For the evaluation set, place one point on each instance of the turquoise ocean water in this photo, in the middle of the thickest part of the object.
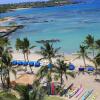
(70, 24)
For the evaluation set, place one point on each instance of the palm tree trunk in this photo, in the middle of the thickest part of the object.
(28, 61)
(25, 61)
(95, 67)
(50, 60)
(61, 79)
(84, 61)
(27, 57)
(8, 80)
(3, 84)
(65, 75)
(93, 51)
(31, 69)
(24, 56)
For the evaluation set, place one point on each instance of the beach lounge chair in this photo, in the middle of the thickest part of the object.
(65, 91)
(91, 97)
(74, 92)
(86, 95)
(79, 92)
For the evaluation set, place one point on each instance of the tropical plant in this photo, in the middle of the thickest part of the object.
(48, 51)
(24, 91)
(38, 92)
(7, 96)
(35, 93)
(61, 69)
(82, 53)
(24, 45)
(90, 43)
(4, 42)
(6, 68)
(97, 42)
(94, 45)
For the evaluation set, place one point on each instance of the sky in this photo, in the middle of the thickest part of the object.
(17, 1)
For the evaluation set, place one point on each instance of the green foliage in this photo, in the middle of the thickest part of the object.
(7, 96)
(37, 92)
(89, 41)
(48, 51)
(52, 98)
(90, 44)
(97, 58)
(98, 44)
(23, 45)
(4, 42)
(24, 91)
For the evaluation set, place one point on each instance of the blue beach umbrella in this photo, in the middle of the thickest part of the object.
(14, 62)
(50, 66)
(20, 63)
(37, 64)
(25, 63)
(71, 67)
(31, 63)
(90, 68)
(81, 69)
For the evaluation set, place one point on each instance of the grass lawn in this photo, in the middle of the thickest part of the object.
(7, 96)
(52, 98)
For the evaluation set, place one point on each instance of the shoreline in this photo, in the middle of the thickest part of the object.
(68, 58)
(18, 9)
(37, 4)
(6, 19)
(7, 30)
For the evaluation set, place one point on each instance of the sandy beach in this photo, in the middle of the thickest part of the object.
(87, 81)
(6, 19)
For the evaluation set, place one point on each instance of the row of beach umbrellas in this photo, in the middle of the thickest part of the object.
(38, 64)
(88, 68)
(26, 63)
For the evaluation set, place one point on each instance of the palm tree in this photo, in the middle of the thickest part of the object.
(24, 45)
(4, 42)
(90, 43)
(27, 46)
(61, 69)
(1, 50)
(36, 92)
(97, 44)
(48, 51)
(19, 46)
(6, 67)
(82, 53)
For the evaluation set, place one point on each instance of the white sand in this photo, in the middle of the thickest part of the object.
(6, 19)
(87, 81)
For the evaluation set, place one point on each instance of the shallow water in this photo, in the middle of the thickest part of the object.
(70, 24)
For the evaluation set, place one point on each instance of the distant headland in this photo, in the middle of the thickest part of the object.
(10, 7)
